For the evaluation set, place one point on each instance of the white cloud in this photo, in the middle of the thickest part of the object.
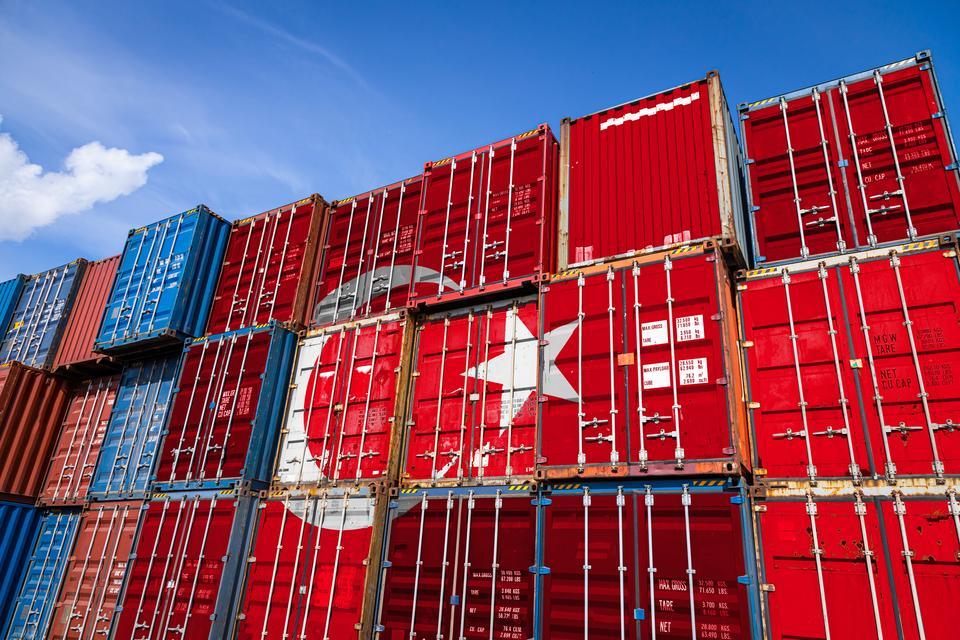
(31, 198)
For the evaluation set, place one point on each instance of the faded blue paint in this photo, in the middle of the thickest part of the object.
(9, 296)
(165, 282)
(19, 524)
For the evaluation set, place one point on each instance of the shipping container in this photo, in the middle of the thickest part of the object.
(129, 452)
(227, 409)
(184, 576)
(75, 355)
(313, 565)
(74, 457)
(651, 173)
(9, 296)
(459, 563)
(641, 370)
(165, 283)
(874, 561)
(487, 219)
(345, 404)
(19, 526)
(473, 396)
(40, 316)
(270, 268)
(95, 572)
(367, 253)
(854, 363)
(668, 558)
(33, 607)
(852, 163)
(32, 406)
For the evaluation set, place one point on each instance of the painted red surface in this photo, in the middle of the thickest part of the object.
(488, 218)
(903, 341)
(473, 400)
(75, 352)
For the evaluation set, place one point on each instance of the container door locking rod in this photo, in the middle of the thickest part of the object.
(900, 509)
(812, 514)
(313, 564)
(641, 409)
(343, 264)
(804, 249)
(831, 191)
(336, 567)
(860, 509)
(446, 252)
(432, 454)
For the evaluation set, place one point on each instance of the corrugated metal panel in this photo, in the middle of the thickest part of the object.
(76, 355)
(487, 219)
(9, 296)
(96, 571)
(851, 163)
(185, 577)
(270, 268)
(40, 315)
(33, 608)
(32, 405)
(19, 524)
(165, 282)
(660, 170)
(74, 458)
(226, 414)
(130, 446)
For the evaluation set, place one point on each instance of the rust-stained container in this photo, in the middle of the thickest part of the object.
(270, 268)
(367, 253)
(32, 406)
(487, 219)
(473, 396)
(854, 364)
(75, 356)
(654, 172)
(641, 370)
(345, 404)
(95, 572)
(74, 458)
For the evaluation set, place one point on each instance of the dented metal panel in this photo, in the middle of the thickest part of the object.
(19, 525)
(75, 355)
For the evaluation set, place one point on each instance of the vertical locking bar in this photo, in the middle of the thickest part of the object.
(621, 567)
(73, 438)
(166, 272)
(832, 192)
(802, 404)
(254, 272)
(335, 460)
(817, 551)
(175, 576)
(203, 433)
(98, 573)
(495, 563)
(336, 567)
(243, 261)
(153, 556)
(202, 471)
(257, 270)
(188, 612)
(466, 395)
(193, 394)
(98, 612)
(343, 264)
(443, 565)
(93, 425)
(586, 563)
(283, 258)
(467, 226)
(393, 253)
(355, 300)
(581, 455)
(295, 574)
(900, 509)
(126, 289)
(901, 181)
(861, 187)
(804, 250)
(376, 247)
(313, 564)
(685, 498)
(506, 244)
(83, 571)
(651, 566)
(436, 428)
(641, 410)
(614, 454)
(331, 409)
(366, 407)
(276, 567)
(508, 472)
(419, 565)
(466, 564)
(446, 228)
(483, 398)
(860, 508)
(486, 218)
(674, 368)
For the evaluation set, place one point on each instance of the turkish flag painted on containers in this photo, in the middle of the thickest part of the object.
(850, 164)
(657, 171)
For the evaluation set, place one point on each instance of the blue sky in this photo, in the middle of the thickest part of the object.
(253, 105)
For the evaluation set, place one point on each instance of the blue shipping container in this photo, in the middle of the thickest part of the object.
(18, 532)
(33, 609)
(9, 296)
(165, 283)
(130, 446)
(40, 315)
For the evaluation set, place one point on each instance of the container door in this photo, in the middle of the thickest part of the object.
(34, 328)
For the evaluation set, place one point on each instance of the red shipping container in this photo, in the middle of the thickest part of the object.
(458, 565)
(313, 567)
(32, 406)
(488, 219)
(270, 267)
(654, 172)
(367, 254)
(853, 163)
(854, 364)
(95, 572)
(473, 396)
(345, 404)
(75, 354)
(667, 319)
(74, 458)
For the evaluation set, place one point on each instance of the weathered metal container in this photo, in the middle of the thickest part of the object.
(74, 458)
(32, 406)
(854, 364)
(487, 220)
(19, 525)
(345, 405)
(459, 563)
(313, 565)
(96, 571)
(270, 268)
(473, 396)
(641, 371)
(40, 315)
(130, 448)
(34, 604)
(186, 570)
(227, 410)
(75, 356)
(850, 164)
(165, 283)
(367, 253)
(9, 296)
(651, 173)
